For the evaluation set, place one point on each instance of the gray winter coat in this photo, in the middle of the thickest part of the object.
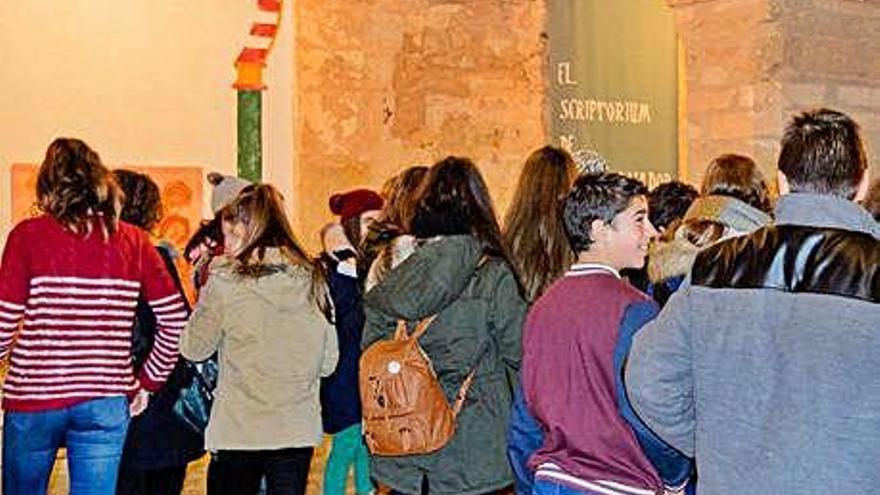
(766, 367)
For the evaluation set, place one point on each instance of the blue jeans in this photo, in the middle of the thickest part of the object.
(93, 432)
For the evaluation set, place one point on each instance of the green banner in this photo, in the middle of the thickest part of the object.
(614, 84)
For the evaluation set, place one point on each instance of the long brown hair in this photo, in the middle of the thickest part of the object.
(260, 210)
(739, 177)
(533, 228)
(400, 196)
(75, 188)
(453, 200)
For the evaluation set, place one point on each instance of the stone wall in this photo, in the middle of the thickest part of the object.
(384, 84)
(751, 64)
(830, 59)
(733, 53)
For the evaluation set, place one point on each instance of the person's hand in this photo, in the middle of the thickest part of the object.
(207, 247)
(139, 403)
(333, 238)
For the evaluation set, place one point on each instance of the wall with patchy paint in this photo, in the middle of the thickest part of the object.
(384, 84)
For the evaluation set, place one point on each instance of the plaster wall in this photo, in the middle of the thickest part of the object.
(383, 85)
(144, 82)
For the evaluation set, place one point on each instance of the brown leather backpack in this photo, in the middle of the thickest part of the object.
(405, 410)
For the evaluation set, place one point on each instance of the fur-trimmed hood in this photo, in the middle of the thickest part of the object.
(673, 258)
(739, 217)
(670, 259)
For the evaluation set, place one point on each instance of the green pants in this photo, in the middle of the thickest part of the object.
(346, 450)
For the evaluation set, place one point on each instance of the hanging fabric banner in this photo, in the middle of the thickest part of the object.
(614, 84)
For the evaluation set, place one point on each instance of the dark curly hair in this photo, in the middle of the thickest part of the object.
(143, 203)
(75, 188)
(596, 197)
(669, 201)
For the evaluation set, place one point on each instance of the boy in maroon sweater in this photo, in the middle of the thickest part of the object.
(571, 336)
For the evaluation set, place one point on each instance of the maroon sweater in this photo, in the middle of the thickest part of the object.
(569, 383)
(75, 300)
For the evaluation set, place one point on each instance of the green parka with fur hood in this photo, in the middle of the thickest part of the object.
(478, 304)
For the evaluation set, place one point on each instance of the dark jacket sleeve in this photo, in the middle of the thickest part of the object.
(144, 329)
(672, 466)
(524, 436)
(340, 400)
(346, 296)
(508, 314)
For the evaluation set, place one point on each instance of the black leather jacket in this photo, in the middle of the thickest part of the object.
(801, 259)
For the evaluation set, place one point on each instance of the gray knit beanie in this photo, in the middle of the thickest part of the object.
(226, 188)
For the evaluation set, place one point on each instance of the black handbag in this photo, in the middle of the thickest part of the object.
(193, 405)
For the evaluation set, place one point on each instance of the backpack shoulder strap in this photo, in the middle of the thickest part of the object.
(421, 327)
(469, 380)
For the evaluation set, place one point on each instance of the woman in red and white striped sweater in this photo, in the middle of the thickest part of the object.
(69, 284)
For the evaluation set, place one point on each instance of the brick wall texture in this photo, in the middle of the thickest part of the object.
(751, 64)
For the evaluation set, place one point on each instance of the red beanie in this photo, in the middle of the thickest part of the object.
(353, 203)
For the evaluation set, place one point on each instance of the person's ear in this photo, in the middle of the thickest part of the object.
(862, 189)
(782, 181)
(599, 231)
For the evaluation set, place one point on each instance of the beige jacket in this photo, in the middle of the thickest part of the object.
(274, 346)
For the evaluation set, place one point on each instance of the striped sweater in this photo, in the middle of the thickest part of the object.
(67, 306)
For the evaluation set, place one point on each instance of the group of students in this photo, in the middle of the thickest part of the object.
(756, 375)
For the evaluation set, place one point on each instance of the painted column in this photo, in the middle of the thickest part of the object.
(249, 84)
